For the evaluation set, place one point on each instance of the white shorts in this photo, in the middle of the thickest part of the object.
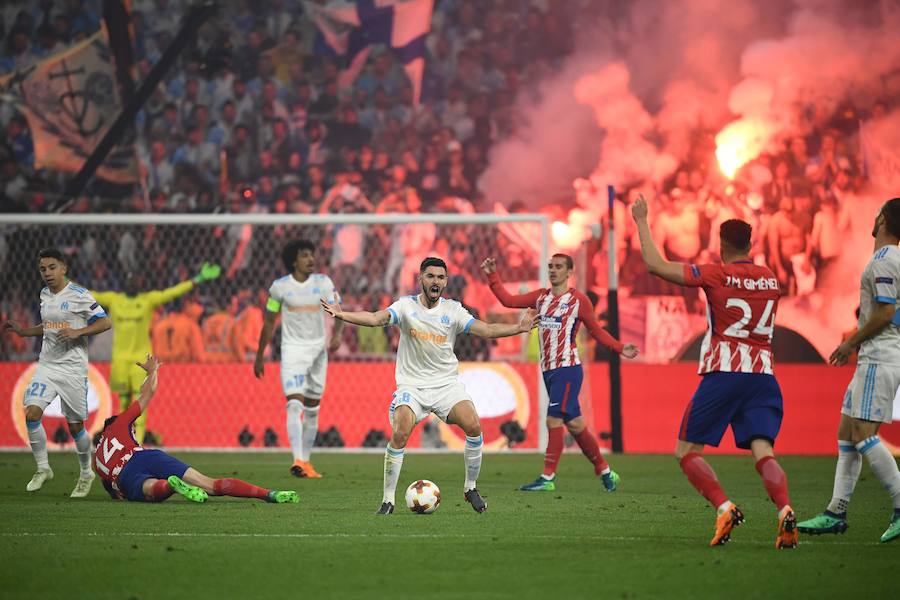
(423, 401)
(303, 372)
(46, 384)
(870, 395)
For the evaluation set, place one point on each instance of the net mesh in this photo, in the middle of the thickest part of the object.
(208, 396)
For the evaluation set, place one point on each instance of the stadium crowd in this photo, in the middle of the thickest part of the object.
(252, 120)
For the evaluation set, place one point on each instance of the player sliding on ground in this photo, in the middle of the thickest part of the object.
(869, 400)
(561, 310)
(131, 472)
(428, 372)
(69, 314)
(738, 387)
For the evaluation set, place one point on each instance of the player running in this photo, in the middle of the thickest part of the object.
(132, 312)
(561, 310)
(131, 472)
(68, 315)
(738, 387)
(304, 353)
(427, 371)
(870, 396)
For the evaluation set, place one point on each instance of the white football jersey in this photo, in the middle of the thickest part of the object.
(302, 318)
(73, 307)
(425, 357)
(879, 285)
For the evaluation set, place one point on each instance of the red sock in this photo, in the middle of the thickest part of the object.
(554, 450)
(159, 491)
(703, 478)
(591, 449)
(239, 489)
(775, 480)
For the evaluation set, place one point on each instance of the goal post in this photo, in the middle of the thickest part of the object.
(210, 399)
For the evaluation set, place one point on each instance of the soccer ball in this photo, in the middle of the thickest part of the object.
(423, 497)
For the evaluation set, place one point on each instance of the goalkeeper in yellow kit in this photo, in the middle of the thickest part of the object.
(131, 313)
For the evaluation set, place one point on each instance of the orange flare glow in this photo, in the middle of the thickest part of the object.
(739, 143)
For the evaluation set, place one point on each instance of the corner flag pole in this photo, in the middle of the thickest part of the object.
(612, 309)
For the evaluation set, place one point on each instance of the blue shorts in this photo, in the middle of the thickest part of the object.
(749, 402)
(563, 386)
(144, 465)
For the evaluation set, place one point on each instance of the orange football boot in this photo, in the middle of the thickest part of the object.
(725, 522)
(787, 529)
(302, 468)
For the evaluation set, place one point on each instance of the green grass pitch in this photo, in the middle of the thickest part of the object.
(647, 540)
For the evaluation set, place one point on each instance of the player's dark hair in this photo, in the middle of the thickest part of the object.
(736, 234)
(52, 253)
(292, 249)
(432, 261)
(570, 264)
(109, 421)
(891, 212)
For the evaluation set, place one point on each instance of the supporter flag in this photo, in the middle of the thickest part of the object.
(70, 100)
(351, 28)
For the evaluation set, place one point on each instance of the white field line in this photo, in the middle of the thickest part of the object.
(225, 535)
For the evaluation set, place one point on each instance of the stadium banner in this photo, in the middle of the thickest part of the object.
(232, 400)
(70, 100)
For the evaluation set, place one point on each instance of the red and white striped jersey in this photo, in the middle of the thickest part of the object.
(742, 299)
(115, 448)
(560, 318)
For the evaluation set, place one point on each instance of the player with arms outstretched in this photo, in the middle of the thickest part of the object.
(869, 400)
(738, 387)
(131, 312)
(304, 352)
(131, 472)
(561, 310)
(68, 315)
(428, 371)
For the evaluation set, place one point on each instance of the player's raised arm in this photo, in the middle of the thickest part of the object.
(361, 317)
(498, 330)
(151, 365)
(656, 264)
(586, 314)
(489, 267)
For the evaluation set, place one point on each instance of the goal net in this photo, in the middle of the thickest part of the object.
(208, 396)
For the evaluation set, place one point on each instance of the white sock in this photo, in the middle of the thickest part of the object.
(723, 507)
(310, 429)
(472, 455)
(293, 427)
(846, 474)
(393, 462)
(883, 464)
(83, 449)
(38, 438)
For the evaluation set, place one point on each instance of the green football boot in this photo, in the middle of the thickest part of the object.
(827, 522)
(540, 485)
(283, 497)
(191, 492)
(610, 481)
(893, 530)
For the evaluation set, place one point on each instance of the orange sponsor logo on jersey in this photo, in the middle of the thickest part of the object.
(56, 325)
(304, 308)
(428, 337)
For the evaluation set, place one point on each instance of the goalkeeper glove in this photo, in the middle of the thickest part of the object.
(207, 272)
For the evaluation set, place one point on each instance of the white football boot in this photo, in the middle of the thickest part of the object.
(38, 479)
(83, 486)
